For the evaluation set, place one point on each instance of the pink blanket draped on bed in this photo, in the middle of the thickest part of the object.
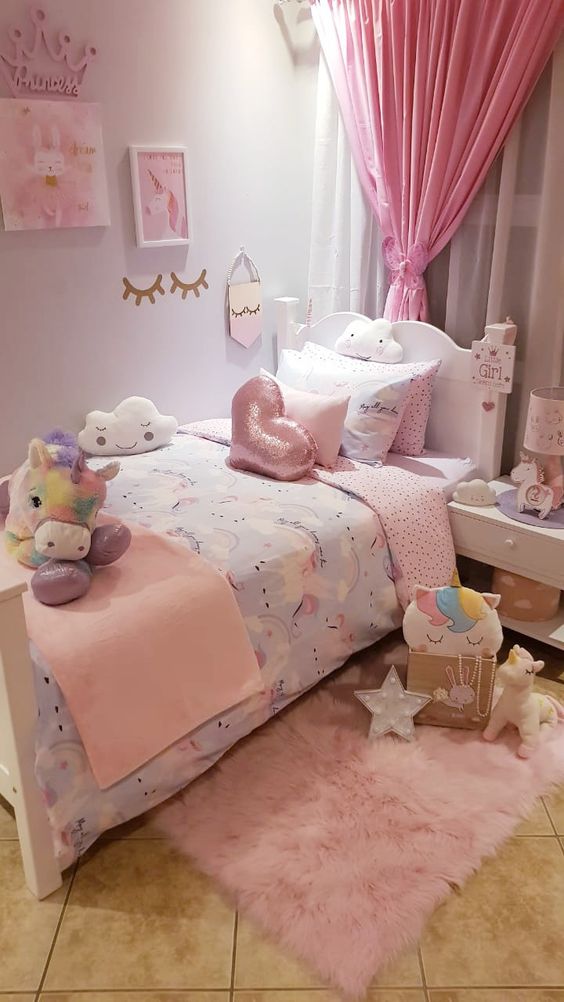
(413, 514)
(163, 648)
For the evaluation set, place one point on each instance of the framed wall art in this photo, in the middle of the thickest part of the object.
(52, 170)
(160, 195)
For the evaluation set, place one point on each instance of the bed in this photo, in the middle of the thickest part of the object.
(275, 537)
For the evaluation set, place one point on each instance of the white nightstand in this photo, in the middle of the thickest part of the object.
(486, 534)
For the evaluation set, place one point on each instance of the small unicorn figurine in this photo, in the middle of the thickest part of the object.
(533, 493)
(532, 713)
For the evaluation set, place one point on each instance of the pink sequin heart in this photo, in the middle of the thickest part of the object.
(488, 405)
(263, 440)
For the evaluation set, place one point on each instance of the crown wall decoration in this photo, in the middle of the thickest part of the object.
(46, 65)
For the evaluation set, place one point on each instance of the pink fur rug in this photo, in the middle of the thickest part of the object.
(341, 849)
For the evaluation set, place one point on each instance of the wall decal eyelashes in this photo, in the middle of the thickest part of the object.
(149, 293)
(131, 290)
(186, 287)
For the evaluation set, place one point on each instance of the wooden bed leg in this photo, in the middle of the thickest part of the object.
(18, 721)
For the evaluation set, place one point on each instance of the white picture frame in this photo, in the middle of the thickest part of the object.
(159, 179)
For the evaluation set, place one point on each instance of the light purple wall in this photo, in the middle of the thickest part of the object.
(225, 79)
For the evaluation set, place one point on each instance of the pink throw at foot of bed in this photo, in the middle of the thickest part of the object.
(163, 648)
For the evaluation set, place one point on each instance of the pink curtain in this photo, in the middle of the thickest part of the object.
(428, 91)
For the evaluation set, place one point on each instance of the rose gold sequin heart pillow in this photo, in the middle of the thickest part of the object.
(263, 440)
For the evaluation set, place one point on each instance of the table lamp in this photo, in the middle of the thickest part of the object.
(541, 480)
(544, 435)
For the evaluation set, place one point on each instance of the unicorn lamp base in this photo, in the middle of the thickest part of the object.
(534, 493)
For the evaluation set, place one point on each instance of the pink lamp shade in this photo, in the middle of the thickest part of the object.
(545, 421)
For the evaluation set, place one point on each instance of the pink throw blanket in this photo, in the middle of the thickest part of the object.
(413, 513)
(157, 647)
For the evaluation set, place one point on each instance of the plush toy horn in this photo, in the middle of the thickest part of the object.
(455, 580)
(78, 467)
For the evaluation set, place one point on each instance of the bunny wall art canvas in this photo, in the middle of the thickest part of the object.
(52, 171)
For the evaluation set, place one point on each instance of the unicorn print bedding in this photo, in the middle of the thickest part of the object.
(314, 580)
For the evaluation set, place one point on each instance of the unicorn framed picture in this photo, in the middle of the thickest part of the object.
(160, 195)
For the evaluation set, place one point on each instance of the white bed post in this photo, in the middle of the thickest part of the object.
(18, 723)
(490, 437)
(286, 325)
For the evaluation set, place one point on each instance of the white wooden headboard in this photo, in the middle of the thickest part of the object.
(459, 423)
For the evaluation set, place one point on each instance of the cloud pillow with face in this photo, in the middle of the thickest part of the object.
(134, 426)
(371, 341)
(475, 492)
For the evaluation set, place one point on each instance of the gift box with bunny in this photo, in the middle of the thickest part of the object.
(453, 634)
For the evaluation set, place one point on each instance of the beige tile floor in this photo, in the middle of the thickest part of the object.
(135, 923)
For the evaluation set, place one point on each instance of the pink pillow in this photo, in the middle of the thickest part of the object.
(410, 436)
(323, 417)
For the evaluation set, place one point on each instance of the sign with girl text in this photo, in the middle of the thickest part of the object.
(52, 171)
(492, 365)
(160, 198)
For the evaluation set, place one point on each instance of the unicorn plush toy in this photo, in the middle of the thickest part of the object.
(532, 713)
(51, 503)
(453, 620)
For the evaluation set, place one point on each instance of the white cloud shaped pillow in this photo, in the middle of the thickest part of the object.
(371, 341)
(134, 426)
(475, 492)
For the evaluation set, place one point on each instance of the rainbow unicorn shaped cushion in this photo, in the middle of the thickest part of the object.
(453, 620)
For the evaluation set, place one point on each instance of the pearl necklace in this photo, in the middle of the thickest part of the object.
(478, 670)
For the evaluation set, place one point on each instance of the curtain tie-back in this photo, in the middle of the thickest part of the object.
(407, 269)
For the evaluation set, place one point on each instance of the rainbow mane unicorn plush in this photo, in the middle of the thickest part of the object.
(453, 620)
(51, 503)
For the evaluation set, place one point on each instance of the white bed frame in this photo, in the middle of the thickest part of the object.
(459, 426)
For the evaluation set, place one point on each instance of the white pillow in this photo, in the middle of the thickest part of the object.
(370, 341)
(410, 437)
(376, 403)
(323, 417)
(134, 426)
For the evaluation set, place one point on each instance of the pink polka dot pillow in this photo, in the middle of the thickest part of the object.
(375, 407)
(410, 436)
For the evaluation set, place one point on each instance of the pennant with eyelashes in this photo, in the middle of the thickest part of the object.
(244, 308)
(245, 312)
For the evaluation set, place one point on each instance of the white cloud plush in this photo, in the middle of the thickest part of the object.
(372, 341)
(475, 492)
(134, 426)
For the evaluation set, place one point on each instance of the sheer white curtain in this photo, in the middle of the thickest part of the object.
(346, 269)
(507, 258)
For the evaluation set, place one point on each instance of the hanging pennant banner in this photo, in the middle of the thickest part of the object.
(245, 303)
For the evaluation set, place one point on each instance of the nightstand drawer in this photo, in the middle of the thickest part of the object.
(504, 545)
